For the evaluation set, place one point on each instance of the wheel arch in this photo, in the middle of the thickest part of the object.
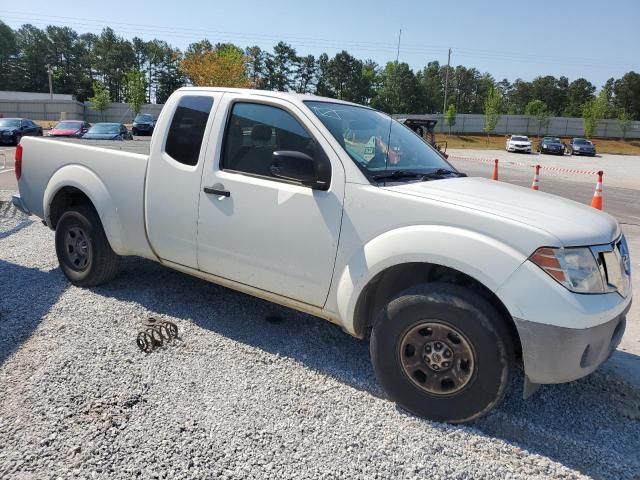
(77, 185)
(393, 280)
(403, 257)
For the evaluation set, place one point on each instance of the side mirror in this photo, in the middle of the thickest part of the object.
(299, 167)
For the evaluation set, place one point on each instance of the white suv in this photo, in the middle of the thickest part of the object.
(518, 143)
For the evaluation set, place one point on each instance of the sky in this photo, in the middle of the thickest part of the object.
(509, 39)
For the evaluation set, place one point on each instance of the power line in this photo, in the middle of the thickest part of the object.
(197, 34)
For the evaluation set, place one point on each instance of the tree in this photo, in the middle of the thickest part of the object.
(8, 52)
(135, 90)
(255, 66)
(450, 117)
(305, 74)
(399, 90)
(594, 112)
(492, 107)
(538, 110)
(222, 66)
(280, 67)
(580, 91)
(627, 93)
(624, 122)
(100, 100)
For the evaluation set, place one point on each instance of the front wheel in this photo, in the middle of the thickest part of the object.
(83, 251)
(442, 352)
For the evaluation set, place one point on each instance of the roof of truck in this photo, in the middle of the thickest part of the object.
(270, 93)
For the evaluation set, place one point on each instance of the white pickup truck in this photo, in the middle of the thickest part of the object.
(337, 210)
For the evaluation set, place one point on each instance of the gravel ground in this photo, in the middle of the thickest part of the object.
(236, 396)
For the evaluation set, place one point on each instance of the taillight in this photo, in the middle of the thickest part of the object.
(18, 164)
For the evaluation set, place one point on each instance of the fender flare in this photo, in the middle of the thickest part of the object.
(89, 183)
(479, 256)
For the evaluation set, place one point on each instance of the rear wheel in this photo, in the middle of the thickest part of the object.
(442, 352)
(83, 251)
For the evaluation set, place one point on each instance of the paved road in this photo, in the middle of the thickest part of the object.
(620, 202)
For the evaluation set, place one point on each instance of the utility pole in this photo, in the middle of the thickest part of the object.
(446, 83)
(50, 72)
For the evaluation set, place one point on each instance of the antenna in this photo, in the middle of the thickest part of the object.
(395, 102)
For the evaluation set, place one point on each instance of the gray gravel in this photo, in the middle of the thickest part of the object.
(238, 397)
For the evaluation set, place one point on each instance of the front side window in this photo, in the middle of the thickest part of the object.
(255, 131)
(376, 142)
(186, 131)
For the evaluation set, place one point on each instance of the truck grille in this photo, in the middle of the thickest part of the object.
(615, 266)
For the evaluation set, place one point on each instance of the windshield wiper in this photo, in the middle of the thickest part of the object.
(443, 173)
(395, 174)
(434, 175)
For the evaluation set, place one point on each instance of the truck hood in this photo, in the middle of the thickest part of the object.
(572, 223)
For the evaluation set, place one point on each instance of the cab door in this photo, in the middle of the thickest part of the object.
(172, 190)
(259, 230)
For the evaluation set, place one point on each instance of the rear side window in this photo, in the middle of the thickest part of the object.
(187, 129)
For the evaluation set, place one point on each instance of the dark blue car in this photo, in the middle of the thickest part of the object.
(13, 129)
(551, 145)
(582, 146)
(108, 131)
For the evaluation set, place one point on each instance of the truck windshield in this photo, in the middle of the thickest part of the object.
(376, 142)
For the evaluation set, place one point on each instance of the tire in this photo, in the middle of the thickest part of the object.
(83, 251)
(481, 349)
(17, 140)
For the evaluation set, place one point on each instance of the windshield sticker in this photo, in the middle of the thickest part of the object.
(370, 149)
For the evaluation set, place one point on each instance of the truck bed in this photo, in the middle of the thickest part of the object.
(113, 179)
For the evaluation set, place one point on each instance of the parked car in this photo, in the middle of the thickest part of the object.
(143, 124)
(13, 129)
(582, 146)
(69, 128)
(108, 131)
(294, 199)
(551, 145)
(518, 143)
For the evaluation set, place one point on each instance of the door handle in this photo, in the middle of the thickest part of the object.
(215, 191)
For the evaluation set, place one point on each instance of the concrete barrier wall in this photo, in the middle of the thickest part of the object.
(54, 110)
(525, 125)
(119, 112)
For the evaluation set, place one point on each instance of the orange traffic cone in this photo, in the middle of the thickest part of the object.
(495, 170)
(596, 201)
(536, 178)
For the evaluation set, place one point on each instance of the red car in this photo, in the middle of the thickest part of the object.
(69, 128)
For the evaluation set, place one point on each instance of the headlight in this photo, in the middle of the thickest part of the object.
(575, 268)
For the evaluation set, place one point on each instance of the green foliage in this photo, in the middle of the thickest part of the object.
(398, 92)
(594, 112)
(624, 122)
(80, 59)
(450, 117)
(540, 112)
(100, 100)
(492, 108)
(135, 90)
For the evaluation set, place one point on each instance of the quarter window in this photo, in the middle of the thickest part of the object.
(255, 131)
(186, 131)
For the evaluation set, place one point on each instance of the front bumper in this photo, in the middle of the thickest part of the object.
(553, 354)
(19, 204)
(519, 149)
